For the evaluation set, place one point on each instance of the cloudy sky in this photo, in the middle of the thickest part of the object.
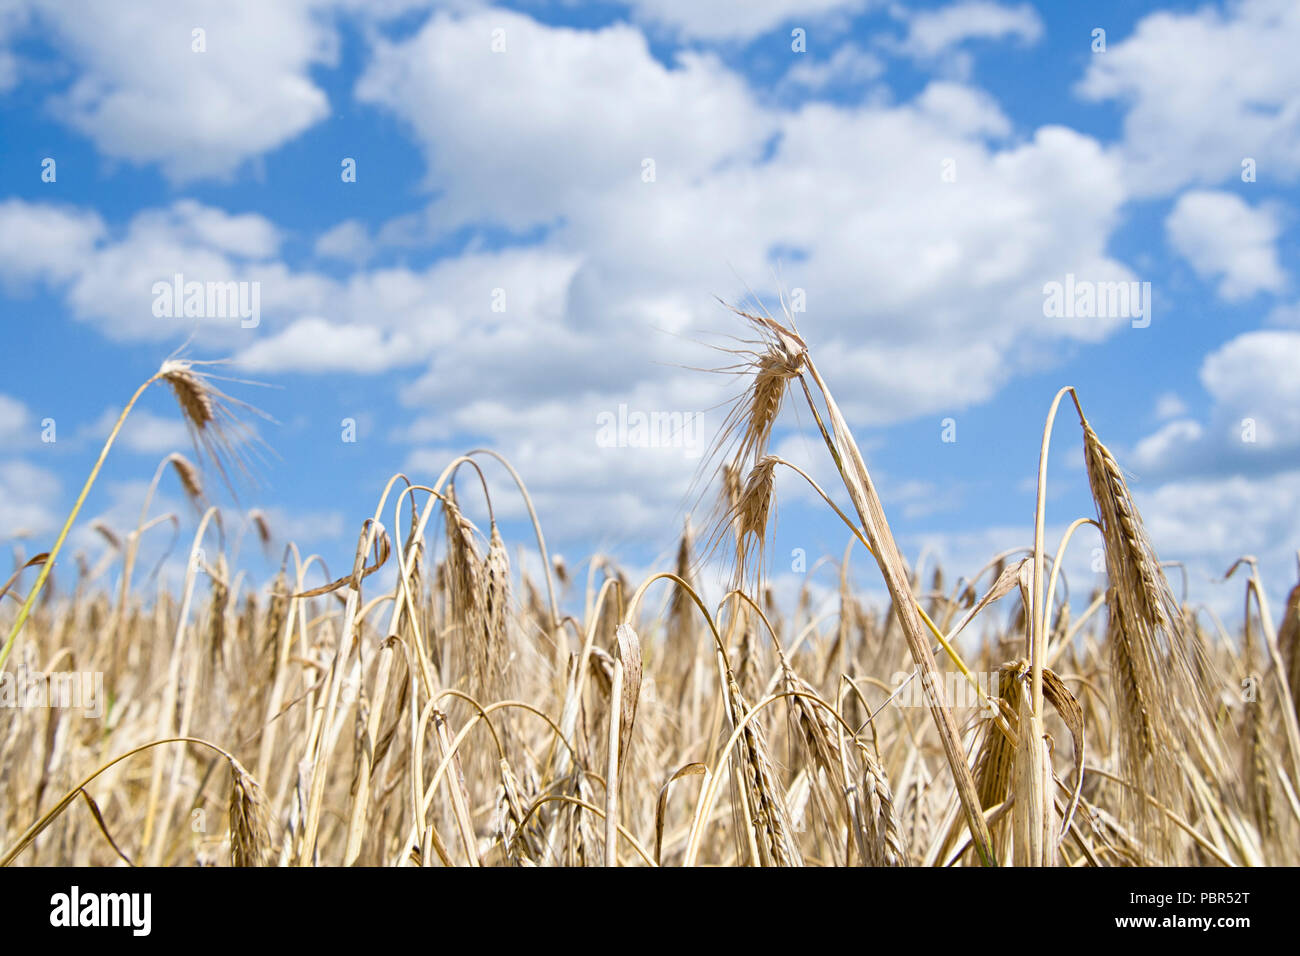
(471, 225)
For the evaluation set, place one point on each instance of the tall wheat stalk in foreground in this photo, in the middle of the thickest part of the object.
(786, 358)
(210, 421)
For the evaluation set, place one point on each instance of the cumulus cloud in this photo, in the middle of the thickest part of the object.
(370, 321)
(1169, 405)
(349, 241)
(149, 90)
(108, 277)
(1253, 375)
(849, 65)
(144, 94)
(1212, 517)
(144, 432)
(44, 242)
(561, 116)
(316, 345)
(1216, 488)
(607, 274)
(1208, 522)
(1196, 125)
(933, 33)
(1170, 441)
(13, 18)
(1224, 238)
(28, 496)
(1253, 425)
(15, 419)
(725, 20)
(743, 186)
(739, 189)
(1285, 314)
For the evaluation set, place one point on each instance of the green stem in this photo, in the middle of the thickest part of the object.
(67, 526)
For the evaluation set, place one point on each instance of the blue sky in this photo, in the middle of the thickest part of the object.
(917, 173)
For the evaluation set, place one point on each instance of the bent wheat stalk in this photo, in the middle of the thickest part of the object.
(853, 470)
(785, 358)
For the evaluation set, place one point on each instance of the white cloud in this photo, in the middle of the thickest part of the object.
(561, 116)
(373, 320)
(349, 241)
(933, 33)
(15, 420)
(109, 278)
(144, 432)
(1210, 518)
(1253, 426)
(143, 94)
(1210, 522)
(8, 71)
(1285, 314)
(1213, 518)
(849, 65)
(1224, 238)
(848, 200)
(963, 110)
(611, 498)
(315, 345)
(601, 310)
(45, 242)
(1253, 376)
(1171, 440)
(28, 495)
(1205, 90)
(1169, 405)
(964, 261)
(726, 20)
(248, 235)
(874, 233)
(13, 18)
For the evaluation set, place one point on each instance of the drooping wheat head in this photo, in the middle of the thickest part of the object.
(250, 829)
(1159, 701)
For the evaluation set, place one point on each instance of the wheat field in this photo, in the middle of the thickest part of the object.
(471, 713)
